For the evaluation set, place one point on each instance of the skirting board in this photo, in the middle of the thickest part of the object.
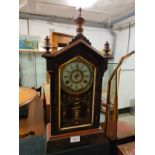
(124, 110)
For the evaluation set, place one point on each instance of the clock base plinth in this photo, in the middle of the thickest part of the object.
(83, 140)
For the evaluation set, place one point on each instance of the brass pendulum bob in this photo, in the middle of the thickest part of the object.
(76, 110)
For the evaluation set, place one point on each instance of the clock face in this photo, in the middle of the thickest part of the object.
(76, 77)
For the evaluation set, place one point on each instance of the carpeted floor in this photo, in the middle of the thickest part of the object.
(34, 145)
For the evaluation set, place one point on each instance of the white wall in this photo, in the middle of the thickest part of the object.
(126, 91)
(122, 36)
(32, 69)
(97, 36)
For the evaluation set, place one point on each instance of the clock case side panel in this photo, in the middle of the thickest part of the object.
(100, 64)
(52, 70)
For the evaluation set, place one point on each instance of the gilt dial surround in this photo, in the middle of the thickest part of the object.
(76, 76)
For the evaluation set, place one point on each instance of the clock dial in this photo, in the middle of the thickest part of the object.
(76, 77)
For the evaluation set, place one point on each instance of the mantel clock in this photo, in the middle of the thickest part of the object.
(76, 73)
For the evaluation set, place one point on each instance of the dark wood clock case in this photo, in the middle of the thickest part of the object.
(75, 113)
(62, 121)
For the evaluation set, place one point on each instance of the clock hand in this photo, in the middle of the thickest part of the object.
(76, 76)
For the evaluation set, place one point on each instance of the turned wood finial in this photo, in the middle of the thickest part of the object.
(106, 48)
(79, 22)
(47, 44)
(80, 12)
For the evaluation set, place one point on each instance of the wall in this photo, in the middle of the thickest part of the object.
(122, 36)
(126, 91)
(32, 69)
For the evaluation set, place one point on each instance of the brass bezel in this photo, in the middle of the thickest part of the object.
(72, 92)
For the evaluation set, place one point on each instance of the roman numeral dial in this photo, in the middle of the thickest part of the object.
(76, 76)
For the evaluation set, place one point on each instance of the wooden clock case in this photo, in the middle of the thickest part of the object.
(78, 47)
(79, 130)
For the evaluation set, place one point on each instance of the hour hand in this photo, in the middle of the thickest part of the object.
(76, 76)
